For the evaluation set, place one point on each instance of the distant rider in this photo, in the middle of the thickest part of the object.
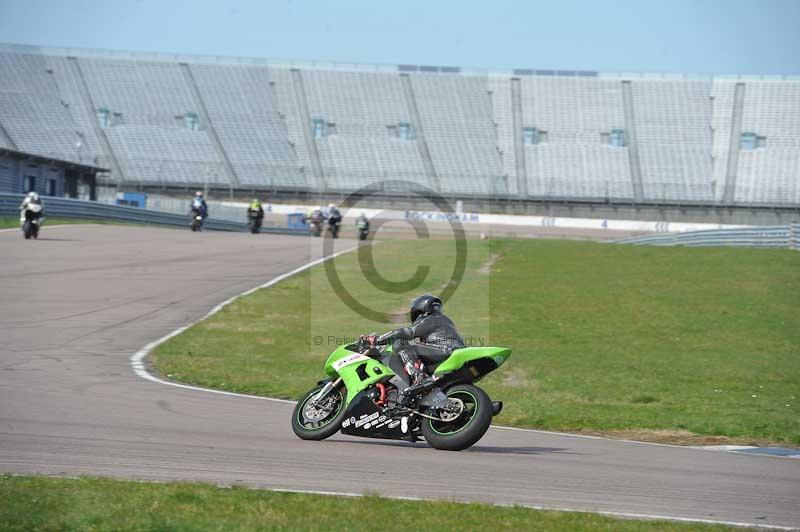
(255, 210)
(334, 218)
(199, 205)
(315, 215)
(333, 213)
(362, 222)
(437, 336)
(32, 198)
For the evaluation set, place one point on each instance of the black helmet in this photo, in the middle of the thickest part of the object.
(424, 305)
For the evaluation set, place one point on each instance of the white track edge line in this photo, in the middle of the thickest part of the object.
(608, 513)
(624, 515)
(139, 367)
(137, 359)
(57, 226)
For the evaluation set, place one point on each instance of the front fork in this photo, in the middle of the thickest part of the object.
(326, 390)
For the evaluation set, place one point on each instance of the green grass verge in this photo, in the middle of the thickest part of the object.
(56, 504)
(605, 338)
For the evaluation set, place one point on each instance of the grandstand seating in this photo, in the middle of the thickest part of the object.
(283, 88)
(500, 89)
(722, 93)
(573, 161)
(771, 174)
(69, 91)
(244, 114)
(146, 100)
(673, 132)
(191, 121)
(456, 114)
(362, 107)
(31, 110)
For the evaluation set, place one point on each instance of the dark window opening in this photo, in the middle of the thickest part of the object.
(51, 187)
(191, 121)
(532, 135)
(317, 128)
(117, 119)
(103, 116)
(529, 135)
(749, 141)
(405, 131)
(29, 183)
(618, 138)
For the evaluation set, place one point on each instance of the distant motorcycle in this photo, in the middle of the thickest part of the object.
(254, 220)
(197, 220)
(315, 224)
(334, 223)
(363, 229)
(31, 220)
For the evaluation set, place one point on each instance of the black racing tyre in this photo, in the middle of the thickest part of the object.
(318, 424)
(27, 229)
(468, 427)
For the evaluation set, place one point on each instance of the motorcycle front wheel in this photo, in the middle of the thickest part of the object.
(467, 427)
(317, 422)
(27, 229)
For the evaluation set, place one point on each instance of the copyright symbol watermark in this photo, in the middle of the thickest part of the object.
(367, 264)
(319, 340)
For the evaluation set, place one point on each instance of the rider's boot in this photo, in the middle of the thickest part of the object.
(422, 383)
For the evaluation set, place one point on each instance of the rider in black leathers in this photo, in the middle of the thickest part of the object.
(199, 205)
(438, 335)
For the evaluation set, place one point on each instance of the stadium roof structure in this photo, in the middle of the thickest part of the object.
(366, 67)
(44, 159)
(167, 120)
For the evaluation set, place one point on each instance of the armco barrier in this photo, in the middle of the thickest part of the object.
(775, 236)
(91, 210)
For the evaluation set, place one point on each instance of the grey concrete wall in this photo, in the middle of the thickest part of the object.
(738, 215)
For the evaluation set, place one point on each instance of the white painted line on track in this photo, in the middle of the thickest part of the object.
(724, 447)
(622, 515)
(57, 226)
(139, 367)
(137, 359)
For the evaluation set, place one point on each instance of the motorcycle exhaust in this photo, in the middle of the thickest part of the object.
(497, 407)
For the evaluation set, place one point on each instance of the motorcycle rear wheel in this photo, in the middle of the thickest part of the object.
(468, 427)
(308, 427)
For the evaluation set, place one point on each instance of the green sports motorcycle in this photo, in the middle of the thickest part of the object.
(360, 397)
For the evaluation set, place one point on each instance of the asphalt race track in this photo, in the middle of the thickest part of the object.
(75, 305)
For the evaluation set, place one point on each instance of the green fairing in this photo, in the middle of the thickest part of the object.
(374, 370)
(459, 357)
(339, 353)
